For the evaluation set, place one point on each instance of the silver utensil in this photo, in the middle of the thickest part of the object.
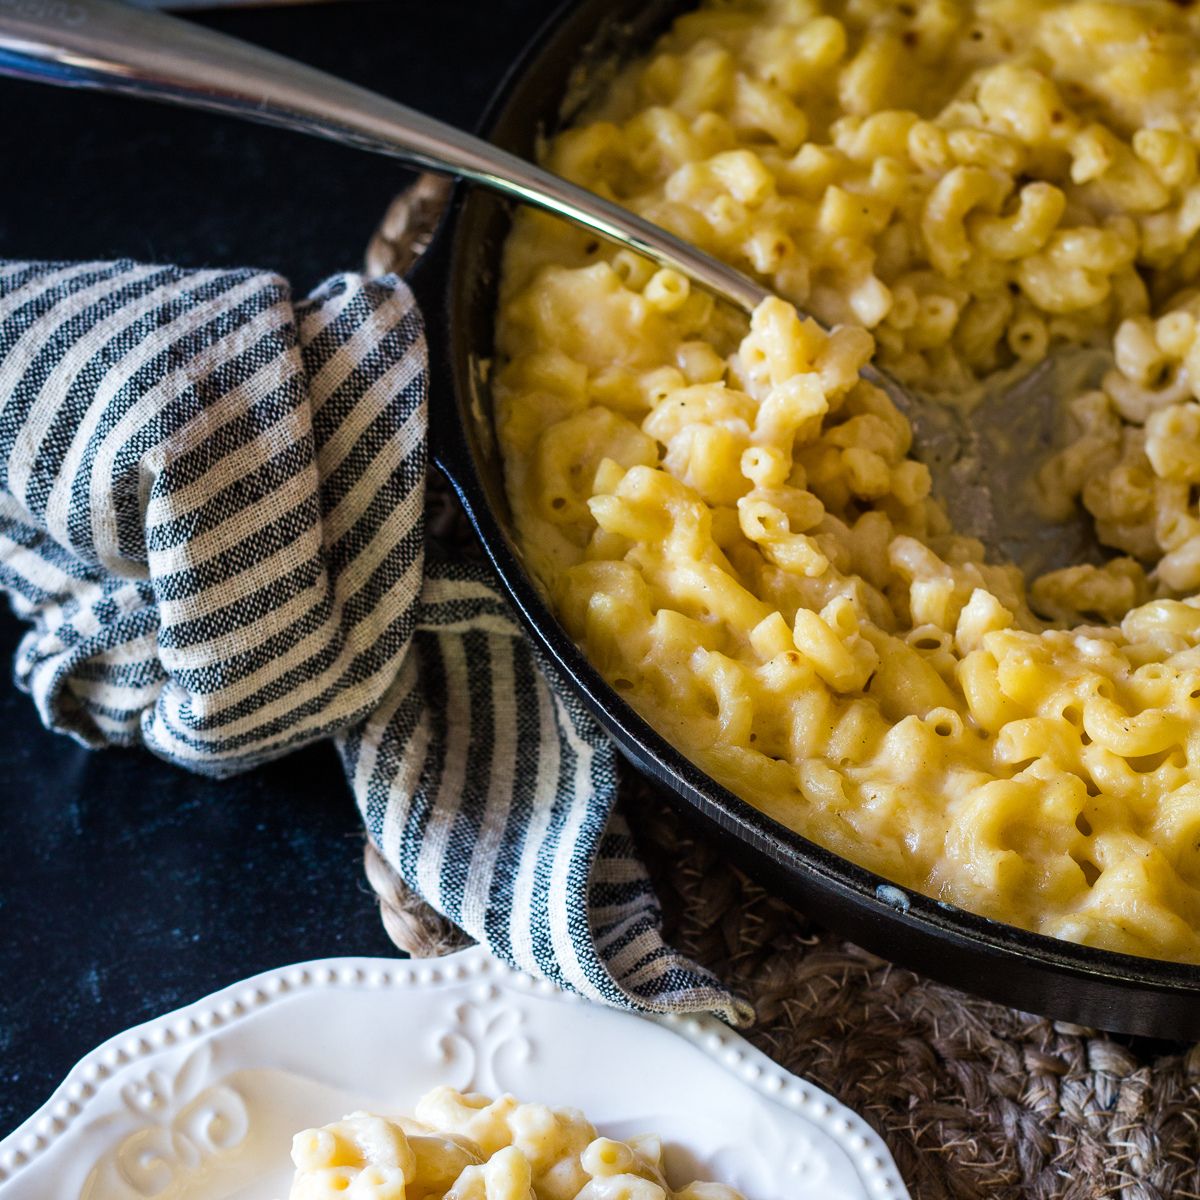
(201, 5)
(112, 47)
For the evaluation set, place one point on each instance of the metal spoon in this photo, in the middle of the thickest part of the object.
(109, 46)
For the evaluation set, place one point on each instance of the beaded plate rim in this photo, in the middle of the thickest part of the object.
(69, 1104)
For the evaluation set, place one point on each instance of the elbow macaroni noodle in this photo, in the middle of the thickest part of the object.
(730, 521)
(470, 1147)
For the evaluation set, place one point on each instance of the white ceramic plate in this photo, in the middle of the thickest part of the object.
(201, 1104)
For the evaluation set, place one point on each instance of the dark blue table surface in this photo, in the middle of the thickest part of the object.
(127, 887)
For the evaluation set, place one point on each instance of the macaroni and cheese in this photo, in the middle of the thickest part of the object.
(733, 523)
(470, 1147)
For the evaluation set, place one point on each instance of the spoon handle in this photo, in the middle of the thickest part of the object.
(108, 46)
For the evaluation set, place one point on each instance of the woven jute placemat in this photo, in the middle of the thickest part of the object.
(974, 1099)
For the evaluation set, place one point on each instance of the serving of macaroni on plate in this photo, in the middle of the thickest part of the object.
(733, 524)
(470, 1147)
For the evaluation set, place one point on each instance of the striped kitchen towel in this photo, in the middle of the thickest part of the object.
(211, 517)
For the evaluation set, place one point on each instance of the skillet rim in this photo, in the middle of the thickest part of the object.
(1065, 980)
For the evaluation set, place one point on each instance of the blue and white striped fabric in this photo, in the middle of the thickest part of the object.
(211, 515)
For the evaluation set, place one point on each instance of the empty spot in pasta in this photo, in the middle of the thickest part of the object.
(929, 642)
(1072, 714)
(944, 727)
(754, 737)
(1083, 825)
(1091, 872)
(1090, 787)
(558, 503)
(976, 35)
(622, 685)
(710, 706)
(591, 248)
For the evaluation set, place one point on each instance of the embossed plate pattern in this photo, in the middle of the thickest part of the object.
(201, 1104)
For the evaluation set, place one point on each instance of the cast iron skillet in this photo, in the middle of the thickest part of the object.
(1029, 971)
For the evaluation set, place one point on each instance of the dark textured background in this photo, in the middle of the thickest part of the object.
(127, 887)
